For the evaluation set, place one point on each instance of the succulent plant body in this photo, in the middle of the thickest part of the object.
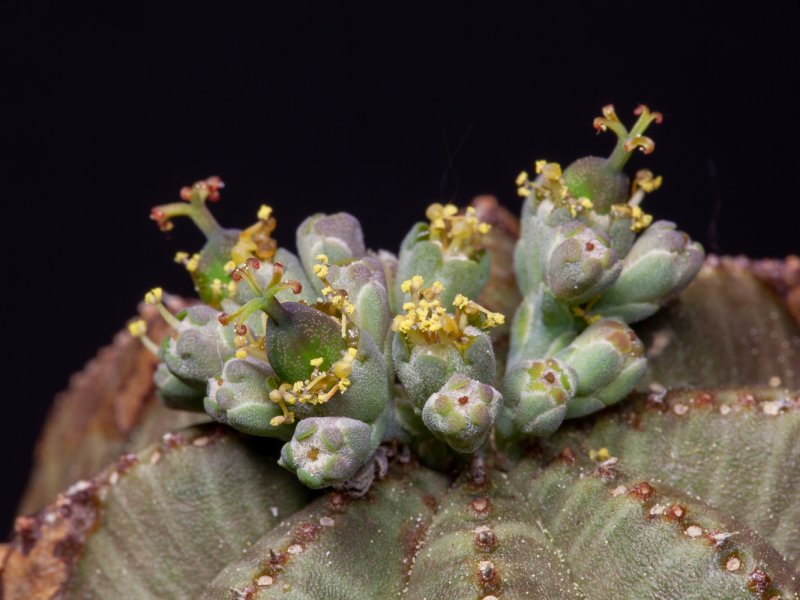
(467, 421)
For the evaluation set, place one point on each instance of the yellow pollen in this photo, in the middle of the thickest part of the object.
(241, 354)
(229, 266)
(138, 328)
(321, 269)
(154, 296)
(522, 178)
(181, 257)
(316, 362)
(193, 263)
(264, 212)
(460, 301)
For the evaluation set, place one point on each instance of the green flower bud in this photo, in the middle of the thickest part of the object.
(594, 178)
(619, 227)
(240, 398)
(297, 334)
(424, 369)
(462, 412)
(326, 451)
(536, 394)
(365, 284)
(581, 265)
(338, 236)
(660, 264)
(609, 360)
(200, 348)
(175, 393)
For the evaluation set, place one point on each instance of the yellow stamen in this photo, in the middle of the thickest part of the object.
(138, 328)
(600, 455)
(154, 296)
(264, 212)
(193, 263)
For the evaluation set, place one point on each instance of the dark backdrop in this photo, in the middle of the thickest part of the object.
(107, 112)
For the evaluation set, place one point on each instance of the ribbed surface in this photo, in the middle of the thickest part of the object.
(339, 548)
(621, 539)
(736, 449)
(174, 519)
(485, 540)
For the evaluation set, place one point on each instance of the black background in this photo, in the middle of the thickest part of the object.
(107, 112)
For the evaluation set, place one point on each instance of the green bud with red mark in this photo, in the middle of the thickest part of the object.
(327, 451)
(581, 264)
(462, 412)
(536, 395)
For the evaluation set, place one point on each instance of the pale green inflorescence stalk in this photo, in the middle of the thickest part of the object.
(338, 349)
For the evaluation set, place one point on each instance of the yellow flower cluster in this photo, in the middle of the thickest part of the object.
(457, 233)
(427, 320)
(335, 298)
(256, 240)
(551, 186)
(320, 387)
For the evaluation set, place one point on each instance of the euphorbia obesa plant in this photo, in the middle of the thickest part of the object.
(475, 433)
